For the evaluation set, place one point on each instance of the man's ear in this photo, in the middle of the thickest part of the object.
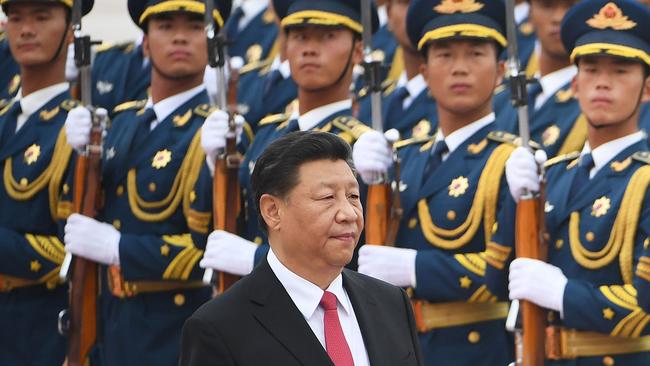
(145, 46)
(270, 211)
(501, 72)
(574, 86)
(646, 90)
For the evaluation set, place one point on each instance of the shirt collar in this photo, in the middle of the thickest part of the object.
(168, 105)
(604, 153)
(282, 66)
(521, 11)
(459, 136)
(303, 293)
(382, 14)
(251, 8)
(416, 85)
(29, 104)
(310, 119)
(552, 82)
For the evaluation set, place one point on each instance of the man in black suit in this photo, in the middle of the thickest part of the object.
(300, 306)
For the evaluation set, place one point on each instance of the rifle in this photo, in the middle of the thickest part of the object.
(225, 190)
(79, 321)
(383, 209)
(529, 224)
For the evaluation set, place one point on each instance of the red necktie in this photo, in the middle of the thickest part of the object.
(337, 347)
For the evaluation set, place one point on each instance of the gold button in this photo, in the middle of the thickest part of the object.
(117, 224)
(559, 243)
(474, 337)
(413, 223)
(120, 190)
(24, 182)
(258, 240)
(590, 236)
(192, 197)
(451, 215)
(608, 361)
(152, 187)
(66, 188)
(179, 299)
(495, 227)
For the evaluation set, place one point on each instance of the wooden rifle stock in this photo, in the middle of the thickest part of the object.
(226, 197)
(529, 243)
(84, 288)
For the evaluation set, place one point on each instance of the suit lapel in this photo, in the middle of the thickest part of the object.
(277, 313)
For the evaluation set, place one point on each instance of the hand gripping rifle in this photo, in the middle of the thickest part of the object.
(384, 210)
(529, 224)
(79, 321)
(225, 193)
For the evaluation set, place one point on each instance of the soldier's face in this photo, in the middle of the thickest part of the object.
(462, 74)
(176, 44)
(34, 32)
(320, 221)
(397, 10)
(318, 55)
(610, 89)
(546, 16)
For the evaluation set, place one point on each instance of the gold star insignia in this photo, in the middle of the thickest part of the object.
(465, 282)
(31, 154)
(608, 313)
(600, 207)
(161, 159)
(164, 250)
(35, 266)
(458, 187)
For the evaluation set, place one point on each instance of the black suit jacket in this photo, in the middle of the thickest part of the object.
(256, 323)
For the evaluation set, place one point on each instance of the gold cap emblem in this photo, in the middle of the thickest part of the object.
(611, 16)
(458, 6)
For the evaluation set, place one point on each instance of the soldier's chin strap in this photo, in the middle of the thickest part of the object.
(62, 41)
(345, 69)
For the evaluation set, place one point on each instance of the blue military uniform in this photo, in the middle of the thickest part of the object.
(10, 76)
(257, 40)
(596, 227)
(120, 73)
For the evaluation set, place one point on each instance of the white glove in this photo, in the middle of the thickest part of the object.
(538, 282)
(372, 156)
(226, 252)
(522, 171)
(214, 132)
(91, 239)
(71, 71)
(77, 127)
(393, 265)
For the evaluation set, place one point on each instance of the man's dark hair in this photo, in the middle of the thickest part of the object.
(276, 171)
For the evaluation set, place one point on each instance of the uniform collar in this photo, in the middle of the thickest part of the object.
(521, 11)
(312, 118)
(382, 14)
(282, 66)
(459, 136)
(604, 153)
(251, 9)
(168, 105)
(31, 103)
(305, 294)
(552, 82)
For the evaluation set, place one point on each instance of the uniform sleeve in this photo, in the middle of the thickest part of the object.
(30, 256)
(463, 277)
(617, 309)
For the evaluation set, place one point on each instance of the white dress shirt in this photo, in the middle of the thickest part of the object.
(415, 86)
(31, 103)
(168, 105)
(251, 9)
(459, 136)
(283, 66)
(604, 153)
(307, 296)
(521, 11)
(310, 119)
(552, 82)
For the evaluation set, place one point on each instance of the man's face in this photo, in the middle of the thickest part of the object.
(546, 16)
(321, 218)
(397, 10)
(462, 74)
(34, 31)
(176, 44)
(318, 55)
(609, 89)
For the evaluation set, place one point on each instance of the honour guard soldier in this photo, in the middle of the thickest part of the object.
(407, 105)
(451, 186)
(34, 158)
(597, 205)
(252, 31)
(147, 235)
(323, 45)
(554, 114)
